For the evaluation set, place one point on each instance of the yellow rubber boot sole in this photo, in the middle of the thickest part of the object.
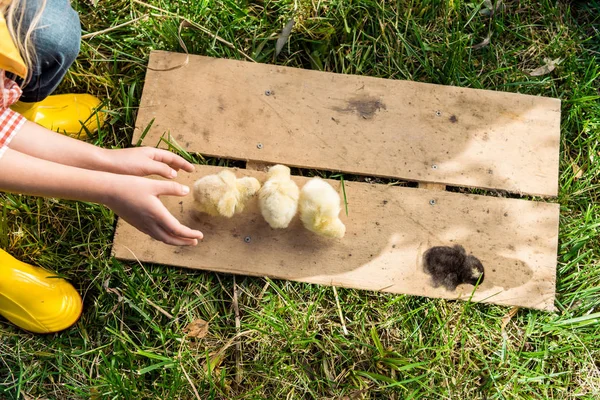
(64, 113)
(35, 299)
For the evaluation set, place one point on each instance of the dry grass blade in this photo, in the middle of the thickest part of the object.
(183, 46)
(159, 309)
(484, 43)
(187, 377)
(113, 28)
(339, 308)
(115, 292)
(284, 36)
(111, 290)
(238, 344)
(506, 319)
(263, 291)
(220, 39)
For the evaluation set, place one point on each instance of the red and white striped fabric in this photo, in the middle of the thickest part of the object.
(10, 121)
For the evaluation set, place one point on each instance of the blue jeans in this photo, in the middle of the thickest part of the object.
(56, 41)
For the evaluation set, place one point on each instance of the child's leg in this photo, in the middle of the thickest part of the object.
(56, 40)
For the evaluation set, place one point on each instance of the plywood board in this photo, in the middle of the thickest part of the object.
(388, 229)
(363, 125)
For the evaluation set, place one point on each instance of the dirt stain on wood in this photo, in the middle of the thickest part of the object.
(364, 106)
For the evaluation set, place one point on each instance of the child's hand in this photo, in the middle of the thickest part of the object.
(144, 161)
(136, 200)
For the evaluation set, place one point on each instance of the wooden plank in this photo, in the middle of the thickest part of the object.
(388, 229)
(361, 125)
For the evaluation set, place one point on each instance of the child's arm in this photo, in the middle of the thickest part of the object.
(42, 143)
(133, 198)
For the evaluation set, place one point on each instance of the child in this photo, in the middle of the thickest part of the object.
(39, 39)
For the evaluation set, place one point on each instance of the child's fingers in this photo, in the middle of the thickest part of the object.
(164, 237)
(172, 160)
(170, 188)
(174, 228)
(164, 170)
(158, 168)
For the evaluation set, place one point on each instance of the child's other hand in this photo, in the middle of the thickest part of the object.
(144, 161)
(136, 200)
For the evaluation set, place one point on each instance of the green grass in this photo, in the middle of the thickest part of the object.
(293, 344)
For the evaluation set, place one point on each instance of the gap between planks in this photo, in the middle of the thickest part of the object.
(264, 167)
(432, 186)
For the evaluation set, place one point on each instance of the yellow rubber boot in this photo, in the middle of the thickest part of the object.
(35, 299)
(64, 113)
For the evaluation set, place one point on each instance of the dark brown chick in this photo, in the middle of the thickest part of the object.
(451, 266)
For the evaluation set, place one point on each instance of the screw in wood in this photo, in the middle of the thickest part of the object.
(434, 166)
(432, 202)
(268, 92)
(259, 146)
(247, 239)
(438, 113)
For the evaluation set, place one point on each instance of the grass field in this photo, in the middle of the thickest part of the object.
(129, 343)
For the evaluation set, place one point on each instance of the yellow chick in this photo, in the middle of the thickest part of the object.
(223, 194)
(319, 209)
(278, 198)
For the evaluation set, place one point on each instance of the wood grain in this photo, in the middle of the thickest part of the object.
(388, 229)
(362, 125)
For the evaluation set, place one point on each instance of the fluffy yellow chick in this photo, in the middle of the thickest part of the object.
(223, 194)
(278, 198)
(320, 208)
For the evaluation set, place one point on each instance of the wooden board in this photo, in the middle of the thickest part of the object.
(388, 229)
(363, 125)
